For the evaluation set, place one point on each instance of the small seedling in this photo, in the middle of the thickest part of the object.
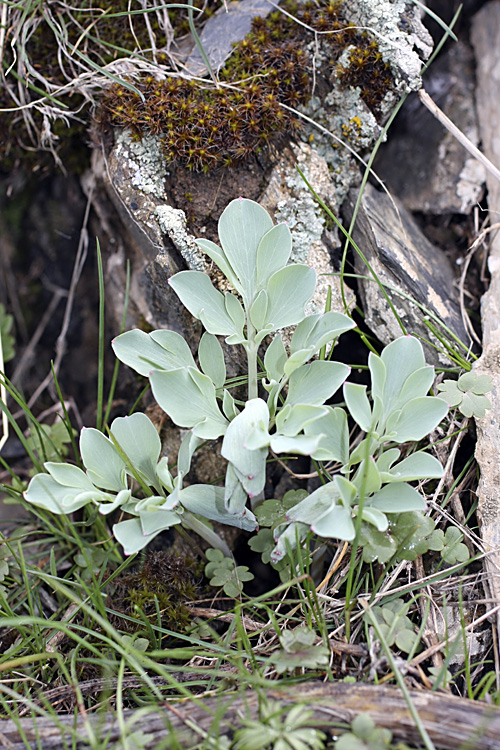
(467, 393)
(277, 729)
(299, 650)
(365, 735)
(396, 628)
(223, 572)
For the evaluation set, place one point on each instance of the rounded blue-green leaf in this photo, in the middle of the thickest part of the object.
(416, 419)
(105, 467)
(419, 465)
(158, 350)
(208, 501)
(204, 302)
(242, 226)
(336, 524)
(211, 359)
(358, 405)
(289, 290)
(188, 397)
(316, 382)
(396, 498)
(139, 440)
(44, 492)
(129, 535)
(273, 253)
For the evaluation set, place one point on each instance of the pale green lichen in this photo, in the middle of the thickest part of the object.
(145, 161)
(172, 222)
(400, 35)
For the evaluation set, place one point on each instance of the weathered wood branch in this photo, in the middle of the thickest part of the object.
(450, 721)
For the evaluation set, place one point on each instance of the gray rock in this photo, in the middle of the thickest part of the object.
(417, 277)
(486, 43)
(227, 26)
(423, 164)
(289, 199)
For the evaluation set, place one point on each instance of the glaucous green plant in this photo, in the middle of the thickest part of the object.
(289, 415)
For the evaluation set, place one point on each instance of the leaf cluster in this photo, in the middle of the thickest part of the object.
(299, 650)
(289, 415)
(396, 628)
(224, 573)
(365, 735)
(277, 729)
(467, 393)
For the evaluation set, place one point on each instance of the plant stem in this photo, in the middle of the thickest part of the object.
(209, 535)
(252, 348)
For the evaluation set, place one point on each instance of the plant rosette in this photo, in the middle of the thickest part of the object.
(289, 415)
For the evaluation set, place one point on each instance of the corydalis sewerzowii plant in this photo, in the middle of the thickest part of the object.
(292, 419)
(271, 295)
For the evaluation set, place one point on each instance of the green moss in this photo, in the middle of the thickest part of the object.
(166, 579)
(367, 70)
(203, 127)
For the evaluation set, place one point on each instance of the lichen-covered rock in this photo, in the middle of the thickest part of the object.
(289, 199)
(360, 56)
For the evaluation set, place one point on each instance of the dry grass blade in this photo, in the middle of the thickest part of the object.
(431, 105)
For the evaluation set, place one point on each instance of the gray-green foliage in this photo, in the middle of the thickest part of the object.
(277, 729)
(467, 393)
(409, 535)
(50, 441)
(224, 573)
(299, 650)
(290, 416)
(364, 735)
(396, 628)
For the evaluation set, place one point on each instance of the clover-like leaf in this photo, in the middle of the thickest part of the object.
(273, 512)
(454, 551)
(467, 393)
(141, 644)
(91, 562)
(50, 441)
(376, 545)
(395, 626)
(263, 543)
(278, 729)
(223, 572)
(411, 532)
(299, 649)
(364, 735)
